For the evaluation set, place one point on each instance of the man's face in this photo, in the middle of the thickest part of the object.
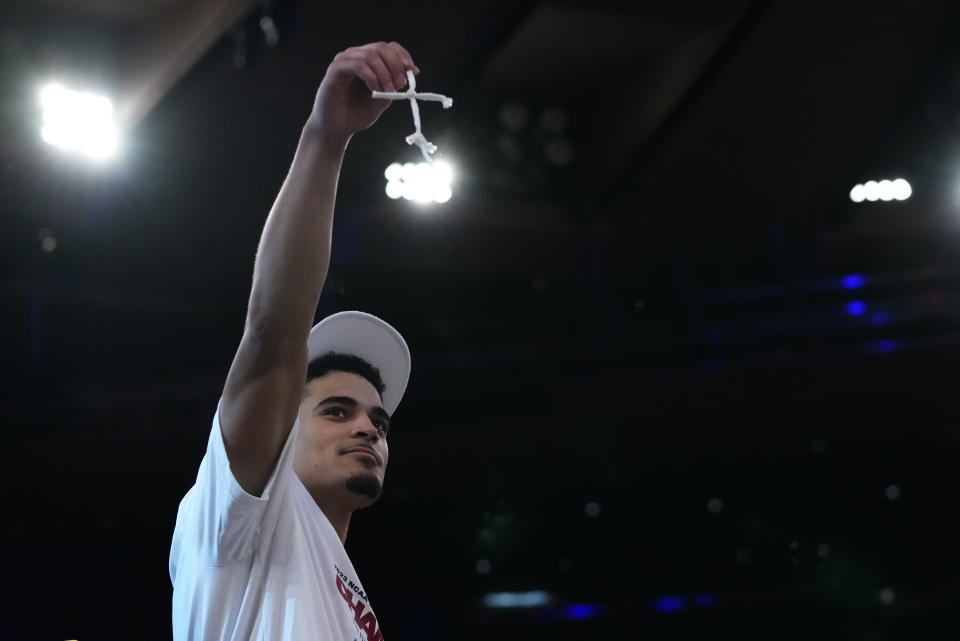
(341, 450)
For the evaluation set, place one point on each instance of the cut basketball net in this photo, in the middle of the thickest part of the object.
(417, 138)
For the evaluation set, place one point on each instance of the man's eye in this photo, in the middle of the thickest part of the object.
(336, 411)
(380, 425)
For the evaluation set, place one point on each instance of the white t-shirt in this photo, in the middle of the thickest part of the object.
(269, 568)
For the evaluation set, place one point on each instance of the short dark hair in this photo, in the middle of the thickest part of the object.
(336, 362)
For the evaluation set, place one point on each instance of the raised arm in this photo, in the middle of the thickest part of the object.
(265, 382)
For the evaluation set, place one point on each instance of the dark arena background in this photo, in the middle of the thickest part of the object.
(684, 366)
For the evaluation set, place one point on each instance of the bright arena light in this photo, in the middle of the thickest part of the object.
(78, 121)
(901, 189)
(885, 190)
(419, 182)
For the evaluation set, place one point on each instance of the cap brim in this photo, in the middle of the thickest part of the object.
(373, 340)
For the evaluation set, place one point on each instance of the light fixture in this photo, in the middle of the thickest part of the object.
(533, 599)
(853, 281)
(419, 182)
(885, 190)
(580, 611)
(856, 307)
(78, 121)
(670, 604)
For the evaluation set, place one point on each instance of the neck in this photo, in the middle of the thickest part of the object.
(337, 510)
(339, 520)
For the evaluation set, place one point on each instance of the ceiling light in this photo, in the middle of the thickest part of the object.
(885, 190)
(533, 599)
(78, 121)
(419, 182)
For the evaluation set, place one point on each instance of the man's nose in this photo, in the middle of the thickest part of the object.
(364, 428)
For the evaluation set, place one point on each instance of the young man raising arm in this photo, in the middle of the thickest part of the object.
(299, 440)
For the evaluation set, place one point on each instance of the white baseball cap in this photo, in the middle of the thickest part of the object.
(373, 340)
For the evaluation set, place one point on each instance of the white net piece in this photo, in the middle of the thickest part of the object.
(417, 138)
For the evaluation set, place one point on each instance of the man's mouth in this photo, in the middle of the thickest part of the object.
(363, 452)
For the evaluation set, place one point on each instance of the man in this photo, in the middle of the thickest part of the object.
(257, 552)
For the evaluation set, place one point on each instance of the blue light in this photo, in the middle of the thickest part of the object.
(856, 307)
(670, 604)
(705, 600)
(580, 611)
(853, 281)
(886, 346)
(880, 319)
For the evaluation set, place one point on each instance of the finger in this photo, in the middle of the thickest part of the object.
(394, 62)
(363, 71)
(358, 58)
(376, 62)
(371, 78)
(405, 56)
